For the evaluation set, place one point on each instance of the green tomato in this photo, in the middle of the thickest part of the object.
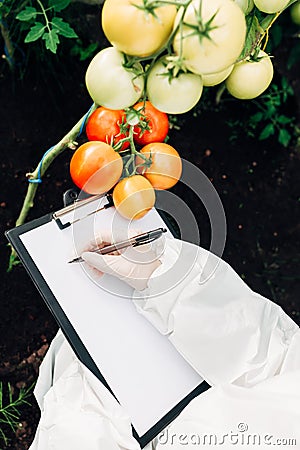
(217, 48)
(110, 84)
(295, 13)
(249, 78)
(173, 95)
(271, 6)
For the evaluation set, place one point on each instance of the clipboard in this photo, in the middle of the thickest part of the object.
(152, 399)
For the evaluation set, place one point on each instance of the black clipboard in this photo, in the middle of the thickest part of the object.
(64, 323)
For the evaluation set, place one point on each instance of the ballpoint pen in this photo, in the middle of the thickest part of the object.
(135, 241)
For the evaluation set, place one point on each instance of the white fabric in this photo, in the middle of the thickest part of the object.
(240, 342)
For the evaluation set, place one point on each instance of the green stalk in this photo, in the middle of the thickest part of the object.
(66, 142)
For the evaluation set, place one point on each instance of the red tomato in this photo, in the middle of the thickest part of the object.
(166, 167)
(107, 125)
(133, 197)
(157, 122)
(95, 167)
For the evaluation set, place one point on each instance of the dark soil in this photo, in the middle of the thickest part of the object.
(256, 181)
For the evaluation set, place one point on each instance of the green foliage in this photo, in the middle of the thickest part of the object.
(45, 24)
(10, 410)
(83, 52)
(270, 119)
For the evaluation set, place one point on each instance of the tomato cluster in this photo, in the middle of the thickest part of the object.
(111, 161)
(171, 50)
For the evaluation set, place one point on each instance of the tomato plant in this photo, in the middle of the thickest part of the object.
(165, 168)
(95, 167)
(137, 27)
(153, 126)
(250, 78)
(107, 125)
(133, 197)
(110, 84)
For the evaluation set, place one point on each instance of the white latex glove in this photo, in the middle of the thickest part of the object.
(134, 265)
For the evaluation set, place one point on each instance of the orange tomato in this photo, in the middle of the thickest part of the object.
(133, 197)
(95, 167)
(166, 167)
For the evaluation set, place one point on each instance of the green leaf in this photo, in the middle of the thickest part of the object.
(35, 32)
(84, 52)
(27, 14)
(284, 119)
(63, 28)
(267, 132)
(254, 31)
(51, 40)
(59, 5)
(284, 137)
(256, 117)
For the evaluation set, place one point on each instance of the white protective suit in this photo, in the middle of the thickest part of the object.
(244, 345)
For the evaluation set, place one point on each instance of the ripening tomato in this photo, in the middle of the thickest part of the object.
(173, 95)
(95, 167)
(271, 6)
(157, 122)
(133, 197)
(214, 43)
(110, 84)
(106, 125)
(166, 167)
(249, 78)
(134, 30)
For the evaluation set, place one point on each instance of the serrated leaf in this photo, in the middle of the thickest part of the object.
(267, 132)
(51, 40)
(27, 13)
(254, 31)
(59, 5)
(63, 28)
(284, 137)
(36, 31)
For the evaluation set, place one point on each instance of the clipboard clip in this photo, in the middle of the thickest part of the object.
(72, 202)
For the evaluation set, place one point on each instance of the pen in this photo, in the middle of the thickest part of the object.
(140, 239)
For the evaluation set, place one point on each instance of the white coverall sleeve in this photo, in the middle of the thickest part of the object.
(77, 411)
(228, 333)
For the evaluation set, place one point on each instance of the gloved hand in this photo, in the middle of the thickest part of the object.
(133, 265)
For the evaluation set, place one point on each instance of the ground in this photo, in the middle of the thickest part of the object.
(256, 181)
